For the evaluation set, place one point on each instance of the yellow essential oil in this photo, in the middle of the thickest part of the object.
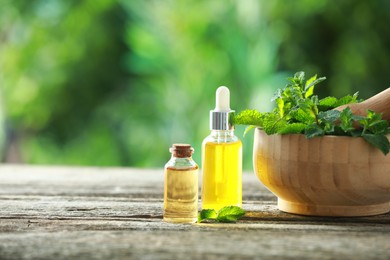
(222, 174)
(181, 186)
(181, 195)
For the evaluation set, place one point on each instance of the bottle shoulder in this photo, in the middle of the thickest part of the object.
(181, 164)
(221, 137)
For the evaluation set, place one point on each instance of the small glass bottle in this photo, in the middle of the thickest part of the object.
(181, 186)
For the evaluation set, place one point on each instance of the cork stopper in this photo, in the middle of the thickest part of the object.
(181, 150)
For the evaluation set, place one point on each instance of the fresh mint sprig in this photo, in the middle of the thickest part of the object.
(299, 111)
(229, 214)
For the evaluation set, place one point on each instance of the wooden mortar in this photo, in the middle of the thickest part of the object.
(323, 176)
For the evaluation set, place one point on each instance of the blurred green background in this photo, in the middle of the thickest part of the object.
(115, 83)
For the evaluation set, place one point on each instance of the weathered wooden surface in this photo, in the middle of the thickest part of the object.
(108, 213)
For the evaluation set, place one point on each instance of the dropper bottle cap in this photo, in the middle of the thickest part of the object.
(221, 117)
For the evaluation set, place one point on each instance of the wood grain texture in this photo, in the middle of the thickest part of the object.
(325, 176)
(110, 213)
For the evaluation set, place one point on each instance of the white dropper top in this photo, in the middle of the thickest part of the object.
(222, 100)
(221, 116)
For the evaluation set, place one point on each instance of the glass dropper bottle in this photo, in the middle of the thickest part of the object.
(221, 158)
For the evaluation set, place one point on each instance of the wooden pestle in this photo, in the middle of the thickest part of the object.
(380, 103)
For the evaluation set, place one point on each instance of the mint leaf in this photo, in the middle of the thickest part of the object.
(329, 116)
(373, 117)
(294, 128)
(346, 120)
(248, 117)
(356, 133)
(298, 110)
(272, 123)
(314, 130)
(328, 102)
(379, 127)
(280, 102)
(314, 103)
(303, 116)
(357, 118)
(347, 100)
(379, 141)
(278, 94)
(298, 79)
(227, 214)
(230, 214)
(328, 120)
(207, 214)
(374, 124)
(309, 86)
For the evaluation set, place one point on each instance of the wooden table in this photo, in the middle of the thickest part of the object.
(116, 213)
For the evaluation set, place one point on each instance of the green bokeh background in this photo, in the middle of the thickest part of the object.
(116, 82)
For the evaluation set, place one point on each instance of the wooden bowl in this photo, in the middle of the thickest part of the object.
(323, 176)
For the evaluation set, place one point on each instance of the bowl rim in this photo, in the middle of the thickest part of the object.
(323, 136)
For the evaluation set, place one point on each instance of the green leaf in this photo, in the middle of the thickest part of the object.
(379, 127)
(298, 79)
(248, 117)
(346, 120)
(347, 100)
(309, 81)
(226, 214)
(373, 117)
(303, 116)
(280, 103)
(313, 81)
(294, 128)
(314, 130)
(300, 75)
(272, 123)
(327, 103)
(314, 100)
(329, 128)
(291, 95)
(309, 87)
(299, 110)
(374, 123)
(278, 94)
(314, 108)
(230, 214)
(355, 132)
(207, 214)
(309, 92)
(357, 117)
(328, 119)
(329, 116)
(379, 141)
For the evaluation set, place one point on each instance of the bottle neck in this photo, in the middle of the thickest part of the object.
(181, 163)
(222, 136)
(221, 120)
(181, 158)
(222, 133)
